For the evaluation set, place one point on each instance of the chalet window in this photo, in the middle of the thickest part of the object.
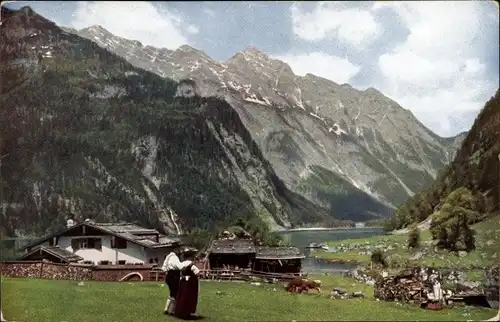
(104, 262)
(94, 243)
(98, 243)
(121, 262)
(86, 243)
(52, 241)
(75, 244)
(118, 243)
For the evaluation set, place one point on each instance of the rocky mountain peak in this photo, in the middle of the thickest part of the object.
(96, 29)
(373, 91)
(187, 48)
(194, 51)
(26, 10)
(255, 58)
(255, 53)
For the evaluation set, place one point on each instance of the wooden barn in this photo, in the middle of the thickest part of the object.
(278, 260)
(231, 254)
(242, 254)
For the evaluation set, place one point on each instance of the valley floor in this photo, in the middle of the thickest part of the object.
(395, 247)
(48, 301)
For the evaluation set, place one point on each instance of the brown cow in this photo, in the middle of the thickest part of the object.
(299, 285)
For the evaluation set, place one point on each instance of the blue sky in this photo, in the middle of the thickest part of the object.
(438, 59)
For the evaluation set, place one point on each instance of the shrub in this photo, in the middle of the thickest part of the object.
(396, 261)
(378, 257)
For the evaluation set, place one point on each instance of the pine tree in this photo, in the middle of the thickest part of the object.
(469, 239)
(414, 238)
(442, 238)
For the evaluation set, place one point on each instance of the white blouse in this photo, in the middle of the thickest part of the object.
(172, 261)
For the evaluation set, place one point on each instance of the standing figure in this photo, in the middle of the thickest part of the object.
(172, 267)
(187, 297)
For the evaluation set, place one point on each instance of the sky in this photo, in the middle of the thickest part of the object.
(438, 59)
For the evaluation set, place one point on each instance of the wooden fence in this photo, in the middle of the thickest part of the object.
(49, 270)
(225, 274)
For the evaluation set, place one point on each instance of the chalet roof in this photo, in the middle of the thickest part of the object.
(61, 253)
(142, 236)
(131, 232)
(232, 246)
(121, 228)
(279, 253)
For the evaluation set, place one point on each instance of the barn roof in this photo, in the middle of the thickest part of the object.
(232, 246)
(61, 253)
(279, 253)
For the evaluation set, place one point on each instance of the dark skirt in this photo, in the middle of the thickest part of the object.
(187, 297)
(172, 280)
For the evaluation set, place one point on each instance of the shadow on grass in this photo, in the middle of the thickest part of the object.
(194, 318)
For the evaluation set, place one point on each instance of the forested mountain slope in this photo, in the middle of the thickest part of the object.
(476, 167)
(83, 131)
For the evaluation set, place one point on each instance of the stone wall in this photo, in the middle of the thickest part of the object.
(46, 270)
(117, 272)
(49, 270)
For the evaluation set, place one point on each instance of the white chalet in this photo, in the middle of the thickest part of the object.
(102, 244)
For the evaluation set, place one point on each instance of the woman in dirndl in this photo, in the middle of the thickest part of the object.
(187, 295)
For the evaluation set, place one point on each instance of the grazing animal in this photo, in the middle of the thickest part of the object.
(299, 285)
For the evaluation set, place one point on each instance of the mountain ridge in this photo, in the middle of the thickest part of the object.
(253, 50)
(308, 112)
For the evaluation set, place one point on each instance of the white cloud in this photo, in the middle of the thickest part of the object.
(192, 29)
(340, 70)
(209, 12)
(436, 72)
(354, 26)
(143, 21)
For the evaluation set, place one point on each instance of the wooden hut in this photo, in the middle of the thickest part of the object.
(278, 260)
(231, 254)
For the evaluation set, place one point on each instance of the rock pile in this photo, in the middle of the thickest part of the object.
(338, 293)
(493, 286)
(415, 285)
(405, 287)
(360, 275)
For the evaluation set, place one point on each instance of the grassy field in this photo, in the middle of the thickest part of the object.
(27, 300)
(487, 231)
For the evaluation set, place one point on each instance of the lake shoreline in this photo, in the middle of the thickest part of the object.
(324, 229)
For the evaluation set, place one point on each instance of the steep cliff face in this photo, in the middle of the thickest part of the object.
(475, 167)
(330, 143)
(83, 131)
